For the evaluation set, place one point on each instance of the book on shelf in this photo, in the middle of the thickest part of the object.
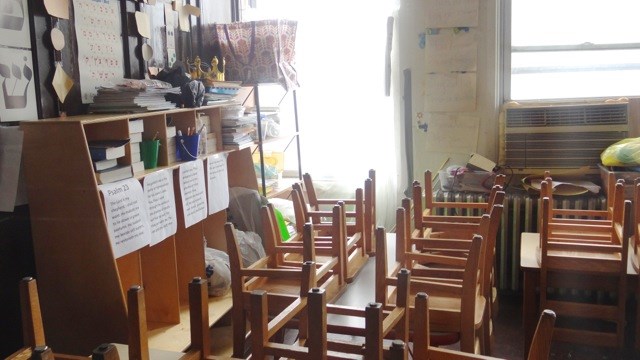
(104, 164)
(224, 84)
(135, 156)
(107, 149)
(136, 126)
(135, 137)
(114, 174)
(137, 166)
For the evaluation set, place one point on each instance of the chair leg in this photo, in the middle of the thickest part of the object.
(239, 330)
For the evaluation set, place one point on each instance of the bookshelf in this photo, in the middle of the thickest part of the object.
(252, 98)
(82, 285)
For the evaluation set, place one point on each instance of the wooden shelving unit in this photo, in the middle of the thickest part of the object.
(82, 285)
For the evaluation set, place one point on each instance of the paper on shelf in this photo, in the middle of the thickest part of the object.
(158, 189)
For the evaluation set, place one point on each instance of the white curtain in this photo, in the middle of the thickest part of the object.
(347, 124)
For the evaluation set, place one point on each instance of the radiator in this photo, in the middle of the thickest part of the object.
(520, 215)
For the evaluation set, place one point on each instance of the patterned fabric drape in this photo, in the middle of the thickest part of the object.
(256, 51)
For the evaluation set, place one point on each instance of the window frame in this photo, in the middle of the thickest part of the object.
(507, 50)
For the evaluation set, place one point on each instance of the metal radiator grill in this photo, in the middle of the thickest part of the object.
(520, 215)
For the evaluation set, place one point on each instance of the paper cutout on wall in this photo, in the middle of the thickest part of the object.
(147, 52)
(142, 24)
(57, 39)
(62, 83)
(57, 8)
(184, 13)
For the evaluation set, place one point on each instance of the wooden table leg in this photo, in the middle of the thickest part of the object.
(529, 307)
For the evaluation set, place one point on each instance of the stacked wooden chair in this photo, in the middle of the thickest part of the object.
(467, 209)
(284, 284)
(578, 262)
(314, 334)
(539, 350)
(429, 224)
(591, 225)
(459, 309)
(369, 218)
(354, 245)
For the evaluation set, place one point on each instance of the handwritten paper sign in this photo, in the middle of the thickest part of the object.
(158, 189)
(451, 13)
(192, 192)
(451, 133)
(218, 183)
(127, 219)
(99, 42)
(448, 50)
(450, 92)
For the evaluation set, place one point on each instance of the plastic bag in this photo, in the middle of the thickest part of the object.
(625, 152)
(218, 271)
(251, 248)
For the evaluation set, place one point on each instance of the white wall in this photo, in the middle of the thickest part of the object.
(410, 25)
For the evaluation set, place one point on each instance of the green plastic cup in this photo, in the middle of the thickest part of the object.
(149, 152)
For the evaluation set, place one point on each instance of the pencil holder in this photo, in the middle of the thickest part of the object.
(187, 146)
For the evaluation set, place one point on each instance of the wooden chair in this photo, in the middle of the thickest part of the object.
(328, 252)
(464, 209)
(369, 220)
(459, 307)
(32, 327)
(138, 343)
(591, 225)
(284, 284)
(584, 265)
(354, 244)
(449, 228)
(314, 340)
(539, 349)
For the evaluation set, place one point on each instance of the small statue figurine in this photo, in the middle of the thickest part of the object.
(215, 74)
(196, 69)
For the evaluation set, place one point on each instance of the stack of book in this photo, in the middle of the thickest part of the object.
(236, 132)
(133, 96)
(105, 155)
(221, 91)
(136, 127)
(171, 143)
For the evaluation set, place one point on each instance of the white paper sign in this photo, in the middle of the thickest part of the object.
(14, 24)
(450, 92)
(161, 202)
(18, 98)
(451, 13)
(127, 218)
(192, 192)
(100, 53)
(448, 50)
(218, 183)
(451, 133)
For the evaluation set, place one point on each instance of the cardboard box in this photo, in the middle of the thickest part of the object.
(626, 174)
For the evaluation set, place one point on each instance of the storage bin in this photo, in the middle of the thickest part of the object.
(627, 174)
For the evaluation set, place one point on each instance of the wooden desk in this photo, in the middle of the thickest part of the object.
(531, 271)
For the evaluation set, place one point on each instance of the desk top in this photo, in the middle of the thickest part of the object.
(529, 248)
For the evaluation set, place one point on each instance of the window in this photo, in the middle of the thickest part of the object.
(571, 49)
